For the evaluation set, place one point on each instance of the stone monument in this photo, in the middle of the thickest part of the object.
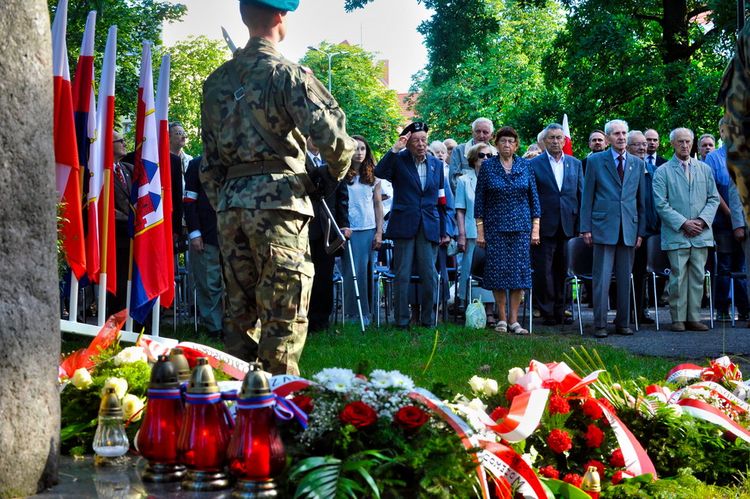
(29, 310)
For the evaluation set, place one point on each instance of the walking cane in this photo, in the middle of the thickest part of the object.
(332, 246)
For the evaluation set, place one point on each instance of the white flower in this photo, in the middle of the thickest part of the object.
(380, 378)
(81, 378)
(490, 387)
(130, 406)
(119, 384)
(129, 355)
(514, 374)
(336, 379)
(402, 381)
(477, 384)
(477, 405)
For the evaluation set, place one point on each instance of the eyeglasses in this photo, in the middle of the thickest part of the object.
(118, 141)
(483, 155)
(180, 134)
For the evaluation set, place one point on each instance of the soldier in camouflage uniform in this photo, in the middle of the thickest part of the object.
(257, 110)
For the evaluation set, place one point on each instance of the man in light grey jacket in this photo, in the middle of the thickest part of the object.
(686, 199)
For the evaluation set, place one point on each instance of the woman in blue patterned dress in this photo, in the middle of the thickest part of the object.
(506, 210)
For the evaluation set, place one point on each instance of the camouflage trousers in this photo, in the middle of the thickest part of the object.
(268, 277)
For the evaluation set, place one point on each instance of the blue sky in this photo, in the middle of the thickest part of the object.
(386, 27)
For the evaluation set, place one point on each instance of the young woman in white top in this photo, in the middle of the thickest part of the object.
(366, 224)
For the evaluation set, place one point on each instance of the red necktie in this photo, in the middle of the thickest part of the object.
(620, 168)
(120, 175)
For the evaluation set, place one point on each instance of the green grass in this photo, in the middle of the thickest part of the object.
(459, 354)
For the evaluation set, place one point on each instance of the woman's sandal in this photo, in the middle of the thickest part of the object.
(501, 327)
(516, 328)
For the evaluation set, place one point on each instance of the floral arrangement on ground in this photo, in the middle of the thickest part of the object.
(378, 435)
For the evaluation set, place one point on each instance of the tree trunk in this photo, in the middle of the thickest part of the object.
(29, 315)
(675, 48)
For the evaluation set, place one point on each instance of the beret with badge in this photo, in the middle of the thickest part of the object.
(285, 5)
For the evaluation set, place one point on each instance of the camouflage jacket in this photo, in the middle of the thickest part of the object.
(290, 103)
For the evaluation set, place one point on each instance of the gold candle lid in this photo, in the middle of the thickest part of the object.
(202, 379)
(255, 383)
(177, 357)
(110, 404)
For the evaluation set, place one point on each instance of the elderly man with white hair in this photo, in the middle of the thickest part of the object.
(481, 131)
(686, 199)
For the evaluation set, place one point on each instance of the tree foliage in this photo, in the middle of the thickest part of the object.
(136, 21)
(372, 110)
(193, 60)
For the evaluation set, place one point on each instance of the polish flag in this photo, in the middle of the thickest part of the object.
(165, 167)
(66, 150)
(101, 161)
(568, 147)
(84, 104)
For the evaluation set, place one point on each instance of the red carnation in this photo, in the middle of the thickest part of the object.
(597, 464)
(358, 414)
(559, 441)
(551, 385)
(512, 391)
(410, 417)
(617, 459)
(499, 413)
(604, 402)
(549, 472)
(594, 436)
(574, 479)
(618, 477)
(304, 402)
(591, 409)
(558, 405)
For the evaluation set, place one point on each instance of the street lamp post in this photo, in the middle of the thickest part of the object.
(330, 56)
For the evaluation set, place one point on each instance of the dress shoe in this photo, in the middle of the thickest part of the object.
(695, 326)
(625, 331)
(678, 326)
(600, 332)
(645, 320)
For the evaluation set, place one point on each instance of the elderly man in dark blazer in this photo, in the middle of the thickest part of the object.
(612, 219)
(559, 182)
(417, 224)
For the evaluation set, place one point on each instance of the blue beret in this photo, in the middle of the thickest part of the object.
(286, 5)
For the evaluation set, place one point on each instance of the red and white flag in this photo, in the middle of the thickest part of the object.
(84, 104)
(568, 147)
(102, 160)
(149, 277)
(165, 167)
(66, 150)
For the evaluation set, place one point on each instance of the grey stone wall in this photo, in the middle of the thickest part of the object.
(29, 320)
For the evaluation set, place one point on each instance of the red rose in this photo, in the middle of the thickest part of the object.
(617, 459)
(549, 472)
(499, 413)
(558, 405)
(358, 414)
(594, 436)
(512, 391)
(304, 402)
(574, 479)
(410, 417)
(597, 464)
(618, 477)
(591, 409)
(559, 441)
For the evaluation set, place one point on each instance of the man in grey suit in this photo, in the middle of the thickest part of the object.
(481, 131)
(612, 205)
(686, 199)
(559, 182)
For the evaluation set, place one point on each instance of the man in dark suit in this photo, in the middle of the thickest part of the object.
(417, 225)
(612, 219)
(559, 182)
(204, 254)
(652, 159)
(597, 143)
(321, 297)
(123, 181)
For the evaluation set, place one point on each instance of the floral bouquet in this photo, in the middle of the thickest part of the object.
(372, 436)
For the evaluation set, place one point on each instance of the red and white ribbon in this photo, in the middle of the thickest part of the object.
(682, 373)
(637, 461)
(707, 412)
(523, 417)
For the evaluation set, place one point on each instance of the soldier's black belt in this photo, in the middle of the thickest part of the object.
(253, 168)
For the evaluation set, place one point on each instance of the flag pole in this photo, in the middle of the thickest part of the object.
(73, 307)
(129, 321)
(105, 248)
(155, 314)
